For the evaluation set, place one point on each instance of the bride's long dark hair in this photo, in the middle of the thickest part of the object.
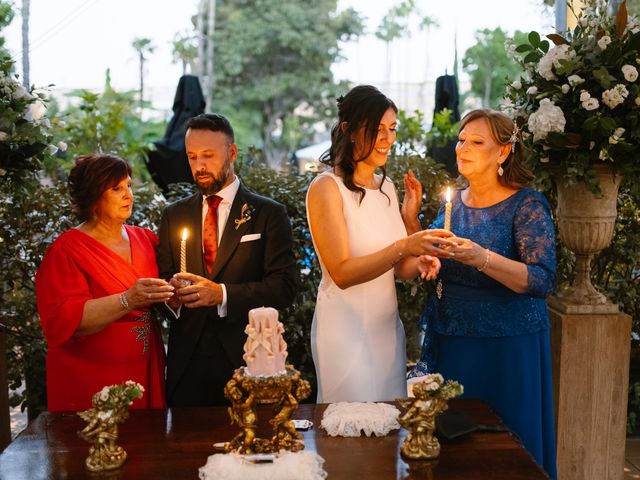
(362, 107)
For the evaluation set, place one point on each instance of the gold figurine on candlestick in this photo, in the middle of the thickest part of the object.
(431, 397)
(265, 380)
(110, 407)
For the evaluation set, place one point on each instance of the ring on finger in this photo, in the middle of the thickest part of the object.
(148, 296)
(198, 294)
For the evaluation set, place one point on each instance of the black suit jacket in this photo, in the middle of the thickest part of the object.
(204, 348)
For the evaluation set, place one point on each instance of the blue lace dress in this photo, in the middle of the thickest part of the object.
(492, 340)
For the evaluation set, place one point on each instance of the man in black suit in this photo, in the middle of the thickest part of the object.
(250, 265)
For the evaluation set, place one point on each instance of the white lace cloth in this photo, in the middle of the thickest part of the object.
(349, 419)
(286, 466)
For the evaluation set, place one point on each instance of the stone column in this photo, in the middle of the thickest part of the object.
(590, 359)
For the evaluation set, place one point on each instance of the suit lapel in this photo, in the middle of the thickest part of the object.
(232, 232)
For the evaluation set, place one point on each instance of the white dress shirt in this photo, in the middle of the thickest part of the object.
(228, 194)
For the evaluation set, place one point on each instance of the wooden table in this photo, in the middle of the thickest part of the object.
(172, 444)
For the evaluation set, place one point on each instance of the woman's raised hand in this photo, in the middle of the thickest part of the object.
(430, 242)
(412, 202)
(147, 291)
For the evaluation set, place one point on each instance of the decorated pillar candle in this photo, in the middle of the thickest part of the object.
(183, 251)
(447, 211)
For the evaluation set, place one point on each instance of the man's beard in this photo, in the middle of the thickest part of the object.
(216, 183)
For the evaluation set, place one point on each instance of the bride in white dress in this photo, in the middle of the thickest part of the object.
(357, 338)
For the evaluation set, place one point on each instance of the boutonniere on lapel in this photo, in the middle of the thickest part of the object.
(245, 215)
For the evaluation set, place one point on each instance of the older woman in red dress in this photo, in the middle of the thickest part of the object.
(95, 287)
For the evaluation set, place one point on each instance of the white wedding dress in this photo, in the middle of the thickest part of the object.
(357, 338)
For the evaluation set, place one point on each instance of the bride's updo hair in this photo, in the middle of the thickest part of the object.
(362, 107)
(504, 131)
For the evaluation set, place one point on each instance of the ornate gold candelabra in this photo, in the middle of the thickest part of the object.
(246, 392)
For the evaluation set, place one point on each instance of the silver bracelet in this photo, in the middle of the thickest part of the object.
(486, 261)
(123, 301)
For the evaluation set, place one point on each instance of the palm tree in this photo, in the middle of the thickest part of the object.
(142, 46)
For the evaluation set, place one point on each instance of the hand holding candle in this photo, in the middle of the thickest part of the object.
(447, 211)
(183, 251)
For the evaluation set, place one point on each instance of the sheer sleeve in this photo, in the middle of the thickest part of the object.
(535, 241)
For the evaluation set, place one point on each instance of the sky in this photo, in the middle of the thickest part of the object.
(73, 42)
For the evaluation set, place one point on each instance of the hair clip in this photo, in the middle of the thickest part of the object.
(514, 137)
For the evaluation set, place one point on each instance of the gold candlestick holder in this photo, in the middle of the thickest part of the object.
(284, 392)
(110, 408)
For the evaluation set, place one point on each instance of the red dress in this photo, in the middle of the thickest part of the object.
(77, 268)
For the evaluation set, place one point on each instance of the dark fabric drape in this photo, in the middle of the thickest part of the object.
(447, 97)
(168, 163)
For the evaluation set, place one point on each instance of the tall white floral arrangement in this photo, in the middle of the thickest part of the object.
(577, 100)
(23, 135)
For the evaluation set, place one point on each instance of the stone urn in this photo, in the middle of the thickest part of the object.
(586, 223)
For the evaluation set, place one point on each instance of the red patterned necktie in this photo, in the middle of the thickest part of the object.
(210, 232)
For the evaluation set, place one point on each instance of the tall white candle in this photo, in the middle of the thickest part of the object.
(183, 251)
(447, 211)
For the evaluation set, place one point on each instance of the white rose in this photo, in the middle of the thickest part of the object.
(565, 88)
(104, 394)
(604, 42)
(62, 146)
(532, 90)
(517, 85)
(630, 73)
(619, 132)
(552, 59)
(3, 136)
(603, 155)
(615, 96)
(22, 93)
(575, 80)
(584, 96)
(548, 118)
(590, 104)
(613, 139)
(62, 124)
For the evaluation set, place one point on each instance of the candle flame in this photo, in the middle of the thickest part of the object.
(184, 235)
(448, 195)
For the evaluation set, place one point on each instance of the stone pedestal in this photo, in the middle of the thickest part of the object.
(590, 359)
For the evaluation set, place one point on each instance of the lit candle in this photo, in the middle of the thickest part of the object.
(447, 211)
(183, 252)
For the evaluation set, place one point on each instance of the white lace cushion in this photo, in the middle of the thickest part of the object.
(350, 419)
(303, 465)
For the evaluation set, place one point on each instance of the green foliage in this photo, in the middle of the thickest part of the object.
(272, 59)
(105, 122)
(6, 16)
(488, 64)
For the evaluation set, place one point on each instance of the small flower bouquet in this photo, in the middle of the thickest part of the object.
(115, 397)
(434, 385)
(578, 102)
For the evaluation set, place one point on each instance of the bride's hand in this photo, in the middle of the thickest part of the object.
(428, 267)
(430, 242)
(412, 201)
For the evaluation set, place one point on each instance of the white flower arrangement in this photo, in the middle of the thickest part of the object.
(573, 98)
(434, 382)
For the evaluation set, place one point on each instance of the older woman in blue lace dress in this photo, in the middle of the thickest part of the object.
(487, 326)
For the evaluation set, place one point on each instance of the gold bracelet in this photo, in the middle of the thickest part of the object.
(400, 254)
(486, 261)
(123, 301)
